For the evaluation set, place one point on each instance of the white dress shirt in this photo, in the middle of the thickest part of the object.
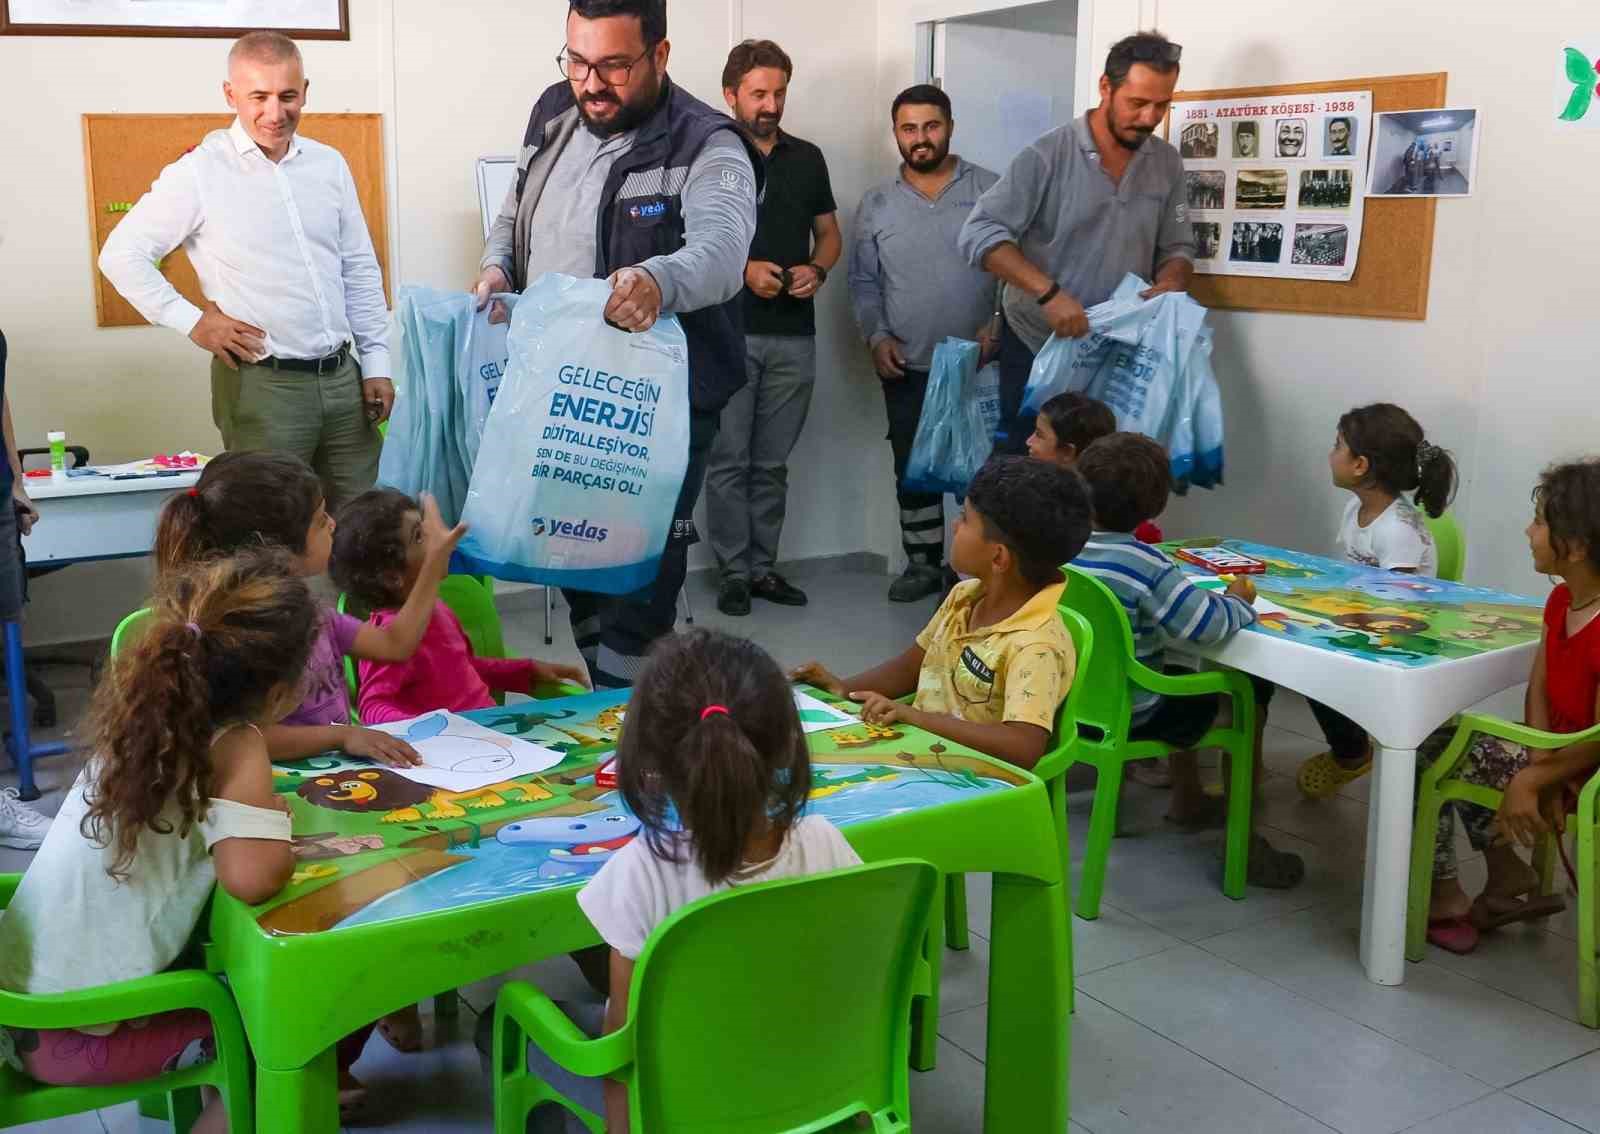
(280, 245)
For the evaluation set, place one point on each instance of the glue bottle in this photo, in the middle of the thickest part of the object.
(58, 454)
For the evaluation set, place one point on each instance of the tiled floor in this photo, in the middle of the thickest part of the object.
(1195, 1013)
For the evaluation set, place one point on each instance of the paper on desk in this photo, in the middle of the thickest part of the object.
(457, 754)
(817, 715)
(148, 466)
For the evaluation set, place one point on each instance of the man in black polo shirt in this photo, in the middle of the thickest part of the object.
(797, 242)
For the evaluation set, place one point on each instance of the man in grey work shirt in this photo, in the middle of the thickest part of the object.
(911, 288)
(1079, 209)
(626, 176)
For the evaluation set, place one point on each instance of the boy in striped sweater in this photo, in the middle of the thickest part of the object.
(1129, 481)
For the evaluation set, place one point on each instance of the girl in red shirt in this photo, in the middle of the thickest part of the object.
(377, 559)
(1564, 538)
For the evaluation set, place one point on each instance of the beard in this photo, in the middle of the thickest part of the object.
(924, 157)
(1128, 137)
(624, 115)
(762, 126)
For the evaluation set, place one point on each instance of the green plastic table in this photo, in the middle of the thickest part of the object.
(399, 900)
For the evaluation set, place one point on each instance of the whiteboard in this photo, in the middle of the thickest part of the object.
(496, 176)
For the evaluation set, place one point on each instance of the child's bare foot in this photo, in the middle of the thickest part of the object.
(1511, 892)
(1448, 900)
(403, 1029)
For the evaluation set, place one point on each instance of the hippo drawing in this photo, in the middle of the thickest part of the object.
(577, 845)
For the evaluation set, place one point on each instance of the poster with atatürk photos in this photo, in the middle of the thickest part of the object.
(1274, 185)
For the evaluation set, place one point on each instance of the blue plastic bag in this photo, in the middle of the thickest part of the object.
(449, 360)
(1150, 361)
(585, 448)
(959, 414)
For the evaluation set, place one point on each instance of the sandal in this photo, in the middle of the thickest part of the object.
(1531, 908)
(1271, 868)
(1210, 814)
(403, 1029)
(1152, 773)
(1322, 775)
(1453, 934)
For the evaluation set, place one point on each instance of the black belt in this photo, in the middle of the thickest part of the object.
(319, 366)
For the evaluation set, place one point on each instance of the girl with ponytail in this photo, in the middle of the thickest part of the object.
(1379, 454)
(176, 795)
(712, 738)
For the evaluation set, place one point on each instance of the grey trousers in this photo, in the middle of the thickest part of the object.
(747, 477)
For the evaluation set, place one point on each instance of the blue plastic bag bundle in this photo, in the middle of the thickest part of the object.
(448, 362)
(959, 414)
(585, 449)
(1150, 361)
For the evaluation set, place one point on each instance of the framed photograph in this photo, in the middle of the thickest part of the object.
(221, 19)
(1324, 245)
(1257, 242)
(1424, 153)
(1261, 189)
(1204, 187)
(1199, 140)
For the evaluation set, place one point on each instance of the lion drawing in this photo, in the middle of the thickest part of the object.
(377, 789)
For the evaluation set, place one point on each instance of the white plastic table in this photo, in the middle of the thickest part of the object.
(89, 518)
(1398, 699)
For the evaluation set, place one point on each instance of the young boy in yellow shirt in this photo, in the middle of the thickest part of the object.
(996, 661)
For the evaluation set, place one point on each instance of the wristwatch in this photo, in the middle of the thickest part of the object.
(822, 273)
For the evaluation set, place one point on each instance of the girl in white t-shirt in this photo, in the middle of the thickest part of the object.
(712, 738)
(1379, 454)
(177, 796)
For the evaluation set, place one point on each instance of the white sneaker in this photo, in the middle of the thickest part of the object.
(20, 825)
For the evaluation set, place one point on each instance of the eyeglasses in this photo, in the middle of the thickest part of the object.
(1152, 51)
(612, 73)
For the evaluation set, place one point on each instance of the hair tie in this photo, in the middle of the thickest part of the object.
(1426, 451)
(709, 710)
(194, 628)
(195, 492)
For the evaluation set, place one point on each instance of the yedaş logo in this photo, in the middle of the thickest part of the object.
(581, 530)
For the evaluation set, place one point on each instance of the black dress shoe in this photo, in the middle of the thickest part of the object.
(918, 581)
(775, 588)
(734, 598)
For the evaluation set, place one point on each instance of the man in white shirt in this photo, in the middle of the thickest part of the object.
(274, 229)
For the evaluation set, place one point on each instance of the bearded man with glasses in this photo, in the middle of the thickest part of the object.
(625, 176)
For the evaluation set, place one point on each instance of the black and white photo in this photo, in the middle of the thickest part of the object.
(1423, 153)
(1261, 189)
(1326, 188)
(1322, 245)
(1247, 139)
(1339, 136)
(1257, 242)
(1291, 136)
(1205, 188)
(1207, 239)
(1199, 140)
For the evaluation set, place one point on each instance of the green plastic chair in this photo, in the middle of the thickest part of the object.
(127, 629)
(1450, 545)
(743, 1017)
(1104, 715)
(177, 1093)
(1439, 785)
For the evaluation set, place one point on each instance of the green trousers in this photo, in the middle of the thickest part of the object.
(321, 420)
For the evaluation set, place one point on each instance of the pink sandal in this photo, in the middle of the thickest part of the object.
(1453, 934)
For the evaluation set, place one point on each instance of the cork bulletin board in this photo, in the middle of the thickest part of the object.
(1391, 276)
(124, 154)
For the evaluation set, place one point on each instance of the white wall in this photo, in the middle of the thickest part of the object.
(983, 58)
(1503, 370)
(454, 82)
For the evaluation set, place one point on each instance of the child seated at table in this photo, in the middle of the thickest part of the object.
(1130, 479)
(380, 558)
(1540, 786)
(714, 763)
(1068, 424)
(250, 499)
(177, 795)
(996, 662)
(1379, 453)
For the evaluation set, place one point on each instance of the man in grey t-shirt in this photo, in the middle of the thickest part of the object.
(911, 287)
(1078, 210)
